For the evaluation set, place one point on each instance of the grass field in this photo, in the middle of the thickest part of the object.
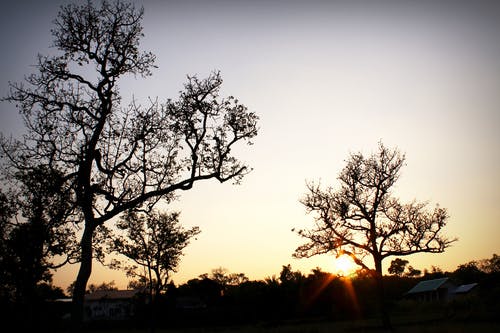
(400, 324)
(467, 315)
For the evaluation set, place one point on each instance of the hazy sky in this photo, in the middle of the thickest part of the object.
(326, 78)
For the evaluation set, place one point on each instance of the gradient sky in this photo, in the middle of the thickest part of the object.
(326, 78)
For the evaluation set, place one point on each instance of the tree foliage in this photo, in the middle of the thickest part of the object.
(114, 157)
(413, 272)
(287, 275)
(6, 276)
(224, 278)
(398, 266)
(363, 219)
(35, 237)
(106, 286)
(490, 265)
(155, 242)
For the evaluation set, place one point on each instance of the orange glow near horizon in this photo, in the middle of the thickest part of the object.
(328, 79)
(315, 293)
(351, 294)
(345, 266)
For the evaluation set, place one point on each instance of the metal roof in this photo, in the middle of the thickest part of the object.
(465, 288)
(111, 294)
(429, 285)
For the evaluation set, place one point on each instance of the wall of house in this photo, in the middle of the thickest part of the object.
(108, 310)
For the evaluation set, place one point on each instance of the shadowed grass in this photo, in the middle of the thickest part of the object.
(401, 324)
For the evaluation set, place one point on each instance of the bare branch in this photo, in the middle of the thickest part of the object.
(362, 218)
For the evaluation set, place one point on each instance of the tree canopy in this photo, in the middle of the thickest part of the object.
(155, 242)
(116, 157)
(362, 218)
(35, 235)
(398, 266)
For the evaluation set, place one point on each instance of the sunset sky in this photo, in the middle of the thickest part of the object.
(326, 78)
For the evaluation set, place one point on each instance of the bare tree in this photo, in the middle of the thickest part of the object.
(362, 219)
(114, 157)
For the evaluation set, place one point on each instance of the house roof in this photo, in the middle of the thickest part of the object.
(110, 294)
(63, 300)
(465, 288)
(429, 285)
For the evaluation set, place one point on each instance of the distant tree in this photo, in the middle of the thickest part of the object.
(491, 265)
(219, 275)
(155, 242)
(468, 273)
(105, 286)
(362, 218)
(272, 281)
(318, 274)
(398, 266)
(47, 291)
(287, 275)
(208, 290)
(113, 157)
(237, 278)
(224, 278)
(363, 273)
(140, 283)
(413, 272)
(92, 287)
(434, 273)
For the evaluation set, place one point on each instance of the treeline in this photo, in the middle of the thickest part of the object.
(221, 298)
(291, 295)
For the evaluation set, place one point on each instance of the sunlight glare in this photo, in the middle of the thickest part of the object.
(345, 266)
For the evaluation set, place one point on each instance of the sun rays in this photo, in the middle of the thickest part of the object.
(345, 266)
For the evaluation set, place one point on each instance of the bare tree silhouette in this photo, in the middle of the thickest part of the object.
(113, 157)
(362, 218)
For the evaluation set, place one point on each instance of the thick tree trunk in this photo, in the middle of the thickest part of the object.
(386, 320)
(83, 277)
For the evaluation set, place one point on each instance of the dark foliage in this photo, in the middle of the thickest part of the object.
(116, 157)
(362, 218)
(319, 296)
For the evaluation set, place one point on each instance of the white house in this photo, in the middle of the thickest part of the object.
(110, 304)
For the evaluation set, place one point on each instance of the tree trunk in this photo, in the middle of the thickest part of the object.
(386, 320)
(83, 277)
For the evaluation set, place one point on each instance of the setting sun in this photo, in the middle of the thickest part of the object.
(344, 265)
(328, 80)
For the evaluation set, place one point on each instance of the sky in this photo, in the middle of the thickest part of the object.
(326, 78)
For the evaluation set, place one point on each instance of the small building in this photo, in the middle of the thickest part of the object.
(465, 289)
(110, 304)
(438, 290)
(432, 290)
